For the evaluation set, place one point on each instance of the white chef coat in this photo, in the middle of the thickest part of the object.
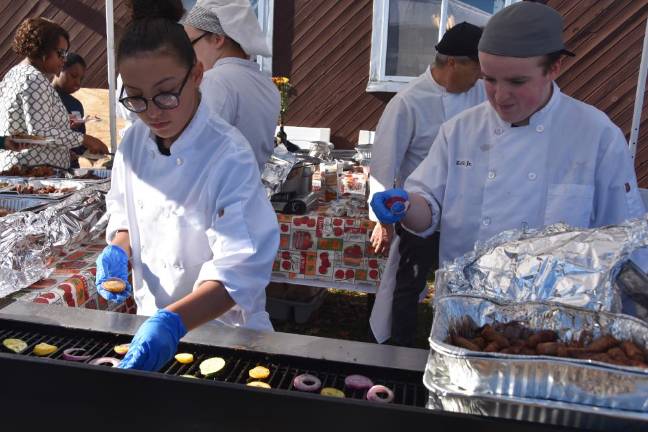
(404, 135)
(570, 164)
(409, 125)
(199, 214)
(247, 99)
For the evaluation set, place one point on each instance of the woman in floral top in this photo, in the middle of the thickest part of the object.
(30, 105)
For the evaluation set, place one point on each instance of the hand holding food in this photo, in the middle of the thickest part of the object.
(155, 342)
(391, 205)
(112, 264)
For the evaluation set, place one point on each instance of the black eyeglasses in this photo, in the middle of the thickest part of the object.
(164, 101)
(62, 53)
(193, 42)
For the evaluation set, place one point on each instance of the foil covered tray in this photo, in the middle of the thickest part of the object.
(445, 395)
(540, 377)
(102, 174)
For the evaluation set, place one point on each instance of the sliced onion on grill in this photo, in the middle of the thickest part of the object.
(71, 354)
(112, 361)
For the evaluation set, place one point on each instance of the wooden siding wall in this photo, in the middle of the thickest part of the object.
(324, 48)
(607, 38)
(85, 21)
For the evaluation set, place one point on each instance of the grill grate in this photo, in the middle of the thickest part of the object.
(406, 385)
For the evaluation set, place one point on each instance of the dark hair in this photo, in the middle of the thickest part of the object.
(155, 28)
(548, 60)
(37, 37)
(72, 59)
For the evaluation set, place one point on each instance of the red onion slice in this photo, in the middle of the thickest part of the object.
(380, 393)
(70, 354)
(358, 382)
(112, 361)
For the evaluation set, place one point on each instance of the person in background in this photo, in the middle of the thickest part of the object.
(530, 157)
(67, 82)
(224, 34)
(29, 103)
(404, 134)
(186, 206)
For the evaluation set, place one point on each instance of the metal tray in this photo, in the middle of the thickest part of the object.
(444, 395)
(102, 173)
(7, 183)
(78, 185)
(17, 204)
(543, 377)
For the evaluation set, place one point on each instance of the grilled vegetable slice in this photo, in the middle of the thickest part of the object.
(258, 384)
(184, 358)
(43, 349)
(259, 372)
(15, 345)
(211, 366)
(121, 349)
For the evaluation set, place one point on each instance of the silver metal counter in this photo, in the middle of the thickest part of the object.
(219, 335)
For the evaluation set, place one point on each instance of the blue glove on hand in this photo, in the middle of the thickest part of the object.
(390, 206)
(155, 342)
(113, 263)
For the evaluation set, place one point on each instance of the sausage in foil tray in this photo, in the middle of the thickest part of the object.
(514, 338)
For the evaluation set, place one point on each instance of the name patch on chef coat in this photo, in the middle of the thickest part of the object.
(464, 163)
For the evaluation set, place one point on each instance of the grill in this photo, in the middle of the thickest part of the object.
(103, 397)
(406, 385)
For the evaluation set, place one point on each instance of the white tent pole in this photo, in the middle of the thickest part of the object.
(443, 17)
(639, 96)
(110, 49)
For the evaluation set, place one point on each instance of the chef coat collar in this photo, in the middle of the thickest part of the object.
(187, 137)
(236, 60)
(435, 84)
(539, 117)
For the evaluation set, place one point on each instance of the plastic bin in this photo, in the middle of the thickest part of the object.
(282, 309)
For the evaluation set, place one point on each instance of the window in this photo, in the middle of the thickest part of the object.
(264, 10)
(405, 32)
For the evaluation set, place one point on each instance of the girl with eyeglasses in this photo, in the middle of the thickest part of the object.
(186, 205)
(29, 104)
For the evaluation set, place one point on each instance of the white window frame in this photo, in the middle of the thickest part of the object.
(378, 80)
(265, 15)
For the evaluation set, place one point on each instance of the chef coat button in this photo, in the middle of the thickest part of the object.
(492, 175)
(164, 265)
(179, 162)
(532, 176)
(539, 128)
(140, 204)
(499, 131)
(486, 221)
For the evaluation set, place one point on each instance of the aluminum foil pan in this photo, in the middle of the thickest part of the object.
(103, 174)
(17, 204)
(29, 240)
(540, 377)
(560, 264)
(444, 395)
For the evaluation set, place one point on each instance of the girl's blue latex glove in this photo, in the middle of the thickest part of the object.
(112, 262)
(391, 205)
(155, 342)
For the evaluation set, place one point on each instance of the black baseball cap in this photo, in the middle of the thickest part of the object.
(460, 40)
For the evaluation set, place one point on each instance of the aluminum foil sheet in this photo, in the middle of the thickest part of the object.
(276, 169)
(29, 240)
(559, 264)
(540, 377)
(444, 395)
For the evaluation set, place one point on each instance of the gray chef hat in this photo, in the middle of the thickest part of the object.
(232, 18)
(524, 29)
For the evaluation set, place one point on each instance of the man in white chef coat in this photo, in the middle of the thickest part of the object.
(406, 129)
(529, 157)
(224, 34)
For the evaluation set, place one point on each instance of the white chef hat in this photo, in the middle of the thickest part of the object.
(232, 18)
